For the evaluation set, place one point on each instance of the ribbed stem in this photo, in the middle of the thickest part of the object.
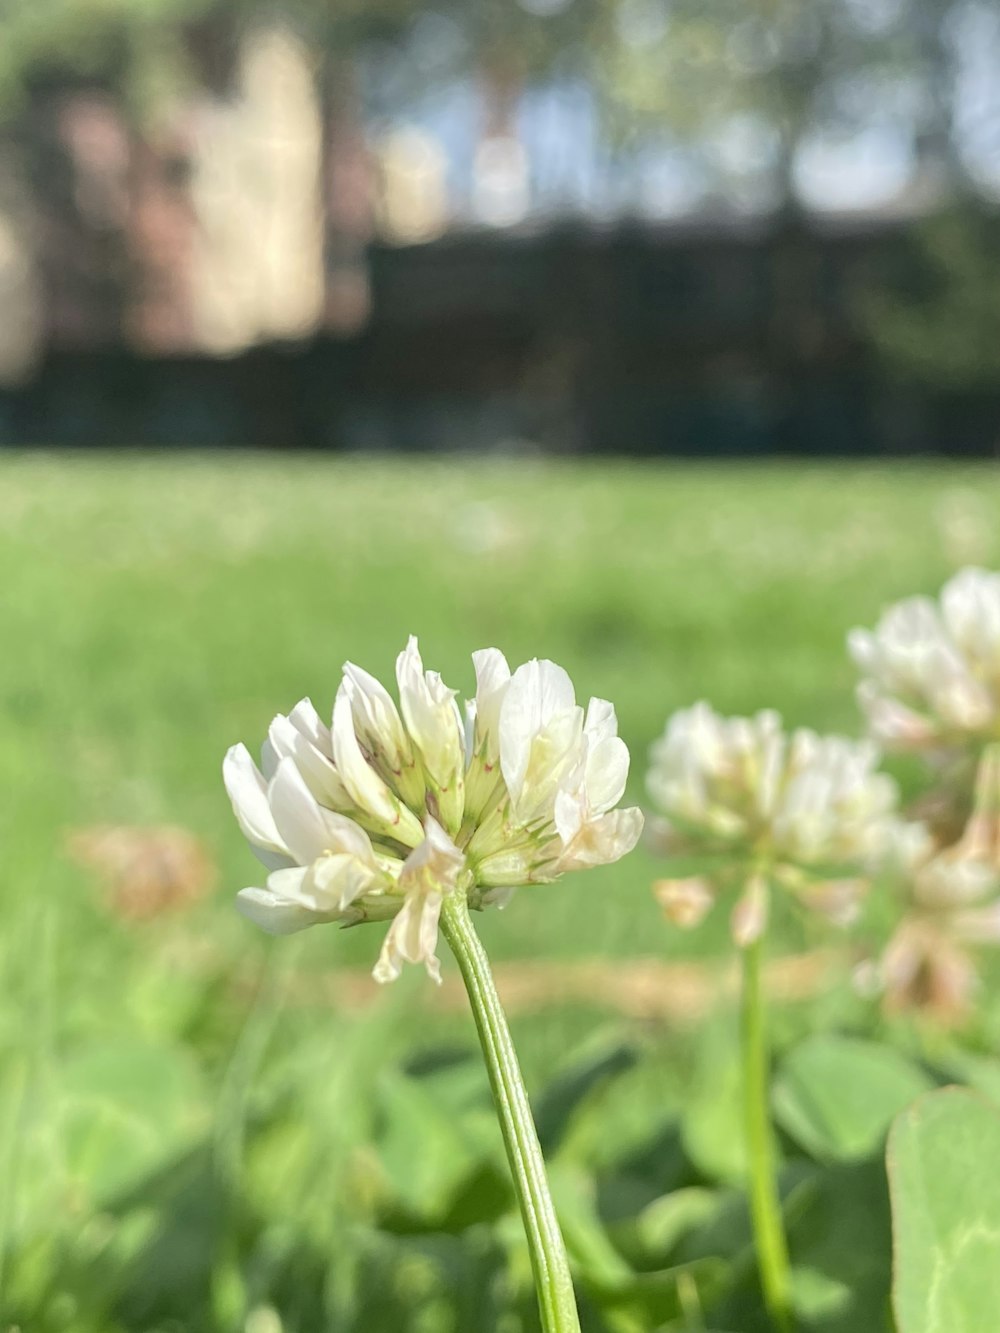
(553, 1283)
(765, 1202)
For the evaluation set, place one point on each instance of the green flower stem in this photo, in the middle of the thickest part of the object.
(765, 1204)
(548, 1252)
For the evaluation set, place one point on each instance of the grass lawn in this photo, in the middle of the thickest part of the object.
(158, 609)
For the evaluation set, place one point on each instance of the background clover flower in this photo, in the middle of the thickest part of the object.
(390, 809)
(755, 804)
(757, 807)
(931, 669)
(951, 907)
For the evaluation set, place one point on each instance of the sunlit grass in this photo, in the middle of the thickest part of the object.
(159, 609)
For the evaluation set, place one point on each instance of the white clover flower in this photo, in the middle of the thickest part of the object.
(948, 882)
(743, 784)
(387, 811)
(931, 670)
(951, 906)
(807, 811)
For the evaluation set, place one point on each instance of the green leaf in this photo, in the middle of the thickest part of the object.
(435, 1162)
(836, 1096)
(656, 1231)
(586, 1239)
(631, 1302)
(561, 1099)
(712, 1122)
(650, 1299)
(979, 1072)
(945, 1191)
(840, 1244)
(125, 1108)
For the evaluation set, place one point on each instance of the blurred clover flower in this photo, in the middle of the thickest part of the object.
(757, 805)
(389, 810)
(931, 670)
(951, 898)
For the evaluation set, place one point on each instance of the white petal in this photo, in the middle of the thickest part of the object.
(288, 741)
(248, 793)
(436, 863)
(470, 729)
(429, 872)
(435, 727)
(268, 760)
(685, 902)
(305, 719)
(278, 916)
(538, 691)
(619, 832)
(492, 680)
(377, 721)
(555, 761)
(568, 814)
(367, 790)
(411, 938)
(863, 649)
(431, 715)
(540, 694)
(410, 677)
(374, 702)
(892, 723)
(603, 840)
(601, 721)
(340, 879)
(307, 828)
(606, 773)
(970, 602)
(964, 702)
(329, 886)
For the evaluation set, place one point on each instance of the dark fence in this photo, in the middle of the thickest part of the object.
(675, 340)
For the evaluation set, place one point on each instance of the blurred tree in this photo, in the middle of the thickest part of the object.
(744, 84)
(936, 318)
(749, 82)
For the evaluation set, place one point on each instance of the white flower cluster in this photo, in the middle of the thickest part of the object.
(744, 784)
(931, 670)
(801, 808)
(384, 813)
(951, 905)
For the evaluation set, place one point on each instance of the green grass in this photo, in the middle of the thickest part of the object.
(158, 609)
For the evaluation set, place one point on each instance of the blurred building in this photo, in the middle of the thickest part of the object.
(311, 254)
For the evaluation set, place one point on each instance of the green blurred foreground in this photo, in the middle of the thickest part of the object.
(202, 1130)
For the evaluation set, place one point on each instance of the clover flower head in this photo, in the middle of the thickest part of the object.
(744, 785)
(383, 813)
(951, 898)
(807, 811)
(931, 669)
